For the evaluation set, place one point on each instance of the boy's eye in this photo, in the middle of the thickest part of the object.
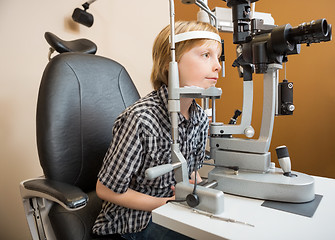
(206, 55)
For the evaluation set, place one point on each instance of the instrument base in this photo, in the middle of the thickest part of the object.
(272, 185)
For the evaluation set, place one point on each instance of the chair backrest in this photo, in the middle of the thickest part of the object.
(80, 97)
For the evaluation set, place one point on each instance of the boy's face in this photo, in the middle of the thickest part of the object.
(200, 65)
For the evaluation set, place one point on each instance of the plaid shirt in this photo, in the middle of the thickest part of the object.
(142, 139)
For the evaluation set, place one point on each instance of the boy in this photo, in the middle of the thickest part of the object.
(142, 139)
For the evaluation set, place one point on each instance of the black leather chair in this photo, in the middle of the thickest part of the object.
(79, 98)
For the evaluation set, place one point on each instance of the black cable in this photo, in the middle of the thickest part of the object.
(235, 168)
(192, 199)
(195, 177)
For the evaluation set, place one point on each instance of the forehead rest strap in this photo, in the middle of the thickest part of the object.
(197, 35)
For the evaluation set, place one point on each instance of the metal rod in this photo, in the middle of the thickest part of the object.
(172, 31)
(211, 184)
(213, 110)
(91, 1)
(204, 7)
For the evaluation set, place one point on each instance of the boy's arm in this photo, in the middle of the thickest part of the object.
(130, 199)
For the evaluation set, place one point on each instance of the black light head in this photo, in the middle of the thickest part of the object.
(82, 16)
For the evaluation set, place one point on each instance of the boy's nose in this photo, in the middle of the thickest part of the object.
(217, 66)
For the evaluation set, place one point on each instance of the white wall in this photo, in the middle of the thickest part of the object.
(123, 30)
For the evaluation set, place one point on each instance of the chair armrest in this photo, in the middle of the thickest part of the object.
(70, 197)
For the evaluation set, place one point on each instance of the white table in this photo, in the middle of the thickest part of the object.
(269, 223)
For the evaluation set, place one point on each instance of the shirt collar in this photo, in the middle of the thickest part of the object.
(194, 110)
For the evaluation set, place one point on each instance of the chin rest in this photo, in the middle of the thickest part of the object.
(80, 97)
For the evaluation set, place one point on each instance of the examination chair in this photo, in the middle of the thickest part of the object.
(80, 96)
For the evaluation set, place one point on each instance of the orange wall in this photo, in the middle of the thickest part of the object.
(309, 134)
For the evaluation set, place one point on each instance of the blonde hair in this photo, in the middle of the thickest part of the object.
(161, 49)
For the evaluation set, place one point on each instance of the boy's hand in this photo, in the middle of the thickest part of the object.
(174, 190)
(193, 178)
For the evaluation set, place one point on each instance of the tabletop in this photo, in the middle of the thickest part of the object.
(268, 223)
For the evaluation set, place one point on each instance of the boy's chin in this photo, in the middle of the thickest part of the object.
(204, 86)
(211, 85)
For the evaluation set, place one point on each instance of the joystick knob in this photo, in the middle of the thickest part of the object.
(284, 160)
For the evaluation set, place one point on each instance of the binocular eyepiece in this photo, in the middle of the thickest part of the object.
(283, 39)
(312, 32)
(263, 47)
(265, 44)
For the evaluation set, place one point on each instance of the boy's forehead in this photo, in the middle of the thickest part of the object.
(209, 43)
